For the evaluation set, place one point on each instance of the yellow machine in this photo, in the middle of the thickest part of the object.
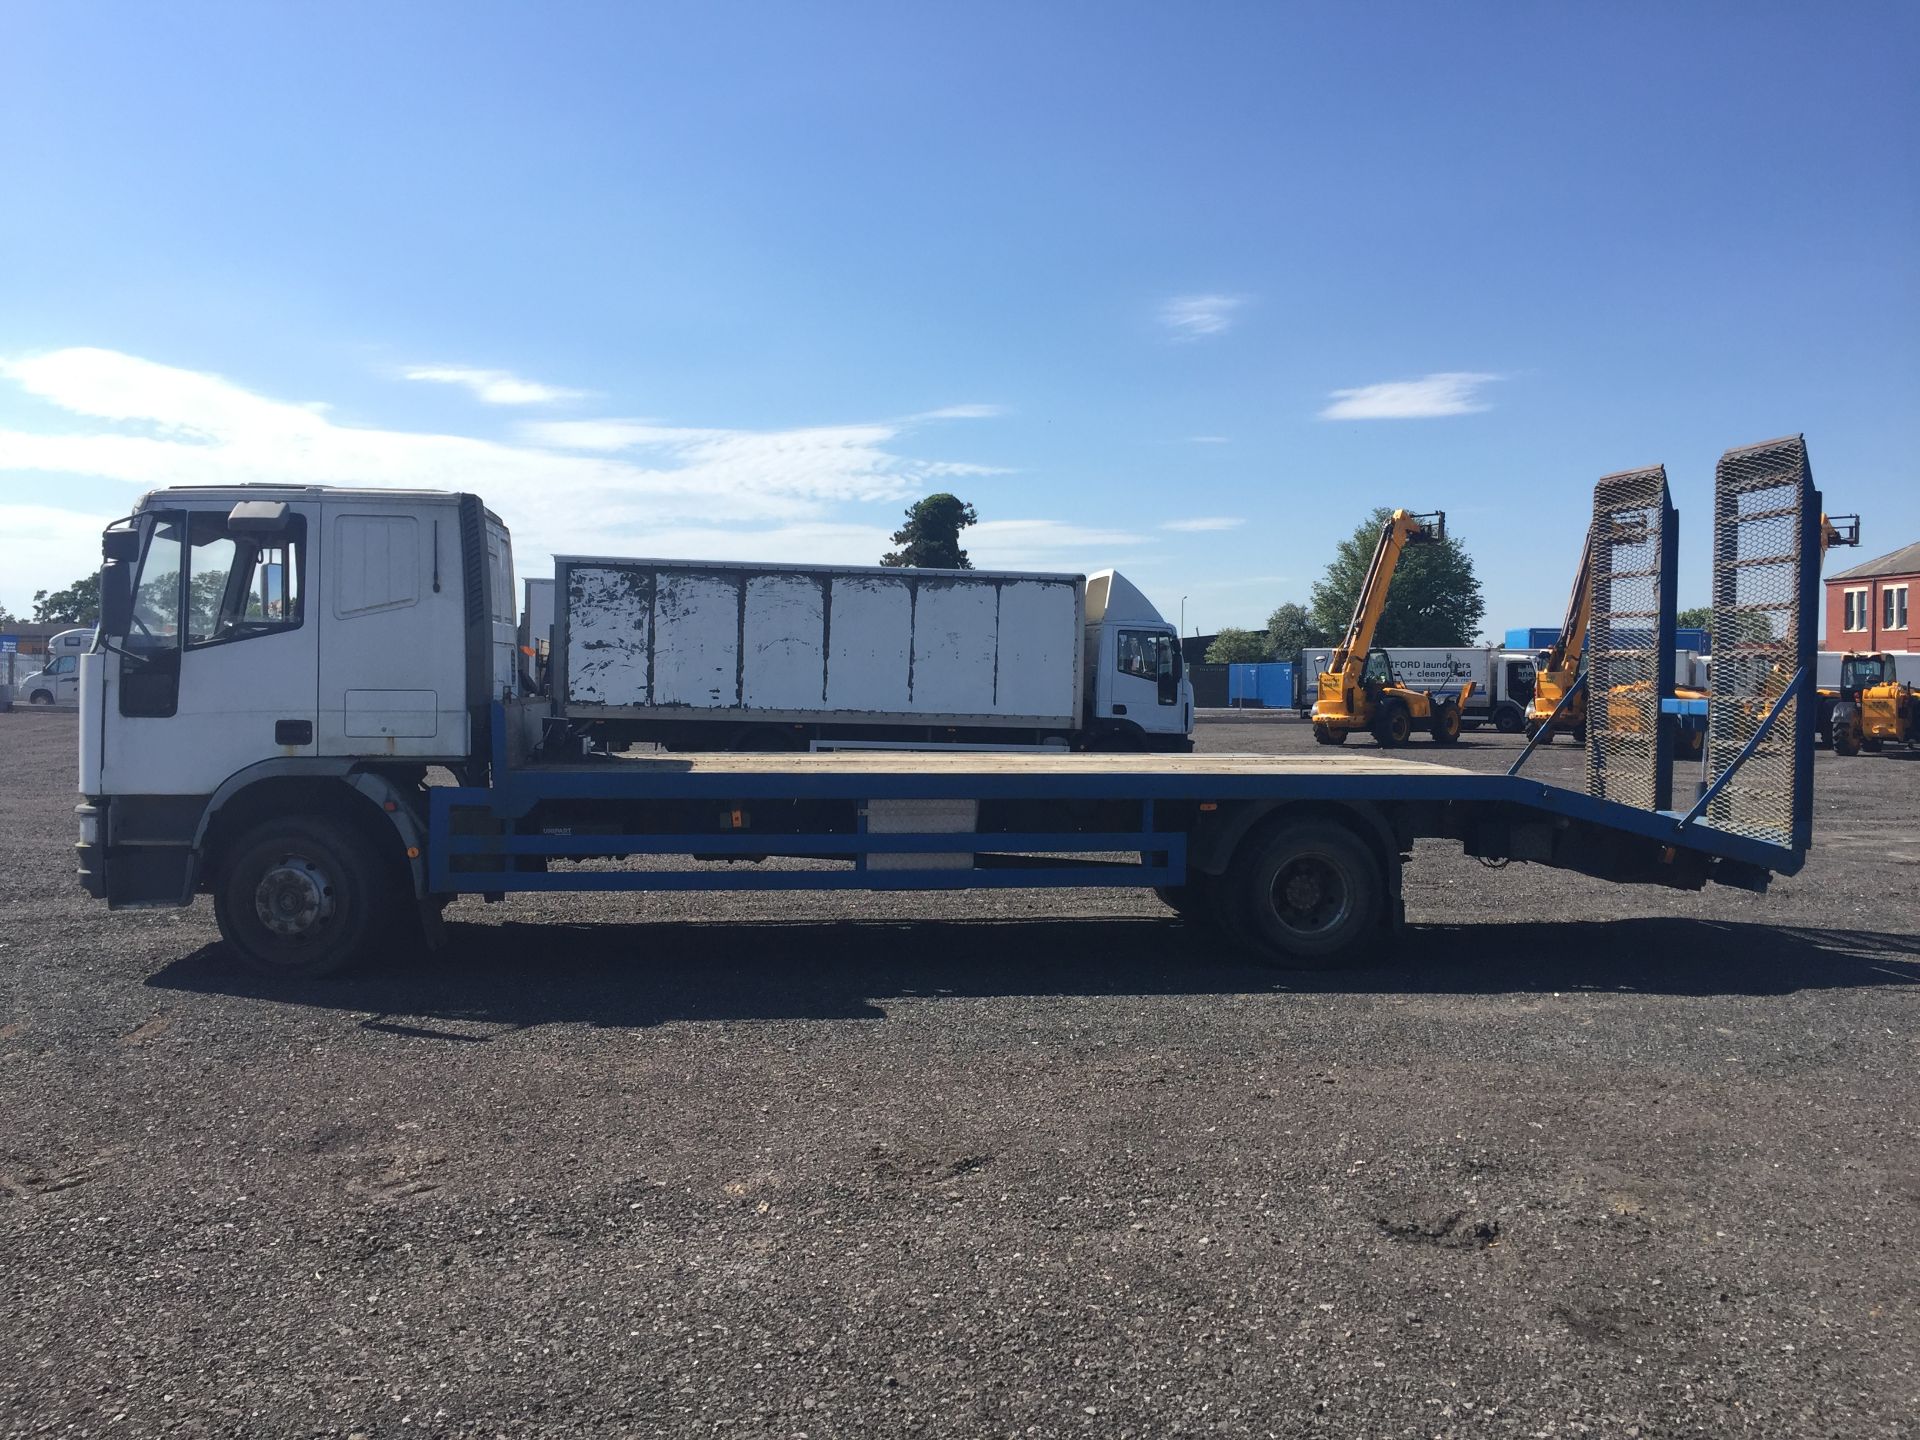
(1358, 690)
(1876, 708)
(1558, 668)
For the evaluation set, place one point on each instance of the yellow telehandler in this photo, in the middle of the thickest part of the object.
(1876, 708)
(1358, 690)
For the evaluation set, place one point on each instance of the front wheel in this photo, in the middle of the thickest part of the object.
(1508, 720)
(1445, 725)
(1307, 896)
(1329, 734)
(40, 697)
(1393, 725)
(300, 898)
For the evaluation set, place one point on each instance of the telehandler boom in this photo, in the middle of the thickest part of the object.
(1558, 668)
(1358, 690)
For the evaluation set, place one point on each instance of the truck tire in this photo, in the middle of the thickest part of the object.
(1308, 895)
(1328, 734)
(40, 697)
(300, 898)
(1509, 720)
(1445, 725)
(1534, 727)
(1846, 740)
(1393, 725)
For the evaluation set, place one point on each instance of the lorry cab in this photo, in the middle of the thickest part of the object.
(1141, 696)
(274, 633)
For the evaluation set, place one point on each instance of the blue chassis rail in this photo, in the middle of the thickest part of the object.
(1162, 854)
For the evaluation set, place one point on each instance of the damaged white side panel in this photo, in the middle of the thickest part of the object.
(609, 613)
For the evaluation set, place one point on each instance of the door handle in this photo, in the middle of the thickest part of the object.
(293, 732)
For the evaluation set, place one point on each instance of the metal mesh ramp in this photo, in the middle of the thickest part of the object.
(1630, 639)
(1766, 545)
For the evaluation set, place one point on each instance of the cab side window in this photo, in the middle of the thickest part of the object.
(1137, 654)
(241, 585)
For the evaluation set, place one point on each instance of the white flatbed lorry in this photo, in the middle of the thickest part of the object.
(272, 748)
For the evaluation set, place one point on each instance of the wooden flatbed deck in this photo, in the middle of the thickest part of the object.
(950, 764)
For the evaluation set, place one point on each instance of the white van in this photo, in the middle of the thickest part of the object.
(58, 683)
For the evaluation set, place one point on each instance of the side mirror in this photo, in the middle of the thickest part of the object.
(119, 553)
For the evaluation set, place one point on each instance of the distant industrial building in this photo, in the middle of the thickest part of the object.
(1867, 606)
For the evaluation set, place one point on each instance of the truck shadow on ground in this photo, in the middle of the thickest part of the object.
(517, 975)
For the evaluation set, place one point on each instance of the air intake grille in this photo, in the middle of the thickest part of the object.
(1764, 516)
(1630, 639)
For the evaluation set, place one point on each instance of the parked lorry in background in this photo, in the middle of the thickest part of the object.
(725, 656)
(279, 669)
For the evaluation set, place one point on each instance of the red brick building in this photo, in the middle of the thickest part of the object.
(1873, 606)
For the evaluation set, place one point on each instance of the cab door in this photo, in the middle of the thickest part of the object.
(1147, 679)
(218, 668)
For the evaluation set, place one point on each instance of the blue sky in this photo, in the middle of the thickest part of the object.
(1184, 289)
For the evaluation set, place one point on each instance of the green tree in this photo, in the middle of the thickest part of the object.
(1435, 599)
(78, 604)
(7, 618)
(1290, 629)
(930, 539)
(1233, 646)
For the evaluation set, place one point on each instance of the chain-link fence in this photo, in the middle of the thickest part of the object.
(1629, 639)
(1765, 514)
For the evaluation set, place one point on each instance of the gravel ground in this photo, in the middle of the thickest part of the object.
(1592, 1160)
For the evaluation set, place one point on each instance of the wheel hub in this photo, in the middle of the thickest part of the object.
(1309, 895)
(293, 898)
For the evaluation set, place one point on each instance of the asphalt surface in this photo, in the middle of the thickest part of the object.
(1587, 1160)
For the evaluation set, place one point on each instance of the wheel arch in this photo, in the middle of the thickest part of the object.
(1214, 844)
(375, 805)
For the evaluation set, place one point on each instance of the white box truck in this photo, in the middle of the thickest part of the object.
(710, 655)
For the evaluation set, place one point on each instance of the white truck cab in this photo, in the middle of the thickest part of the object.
(1140, 685)
(279, 634)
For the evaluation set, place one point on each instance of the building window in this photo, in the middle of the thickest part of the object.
(1854, 616)
(1893, 607)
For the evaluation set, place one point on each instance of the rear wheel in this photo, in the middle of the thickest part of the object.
(1308, 895)
(302, 897)
(1445, 725)
(1393, 725)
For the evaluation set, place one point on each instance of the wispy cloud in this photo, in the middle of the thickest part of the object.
(495, 387)
(1207, 440)
(610, 484)
(963, 412)
(1205, 522)
(1188, 317)
(1449, 392)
